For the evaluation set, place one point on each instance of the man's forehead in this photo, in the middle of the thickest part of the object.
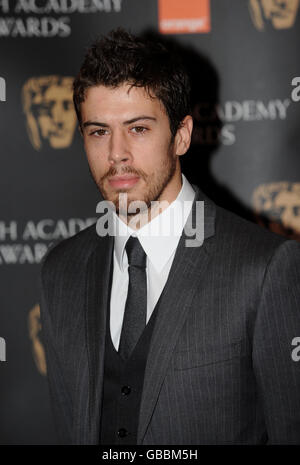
(122, 102)
(126, 90)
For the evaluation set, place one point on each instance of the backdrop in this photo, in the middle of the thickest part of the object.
(243, 58)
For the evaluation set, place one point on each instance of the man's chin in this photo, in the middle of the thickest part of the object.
(125, 195)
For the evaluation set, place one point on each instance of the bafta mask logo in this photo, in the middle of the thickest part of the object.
(280, 13)
(277, 207)
(50, 115)
(34, 328)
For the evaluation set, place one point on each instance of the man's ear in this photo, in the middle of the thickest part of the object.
(183, 135)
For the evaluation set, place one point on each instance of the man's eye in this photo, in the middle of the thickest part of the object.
(139, 129)
(98, 132)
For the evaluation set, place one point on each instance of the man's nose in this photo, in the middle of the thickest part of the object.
(118, 148)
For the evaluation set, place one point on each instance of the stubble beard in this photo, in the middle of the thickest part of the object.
(155, 185)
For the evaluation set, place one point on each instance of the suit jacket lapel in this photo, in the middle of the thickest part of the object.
(97, 299)
(184, 277)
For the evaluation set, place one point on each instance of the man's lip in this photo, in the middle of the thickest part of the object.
(124, 177)
(124, 181)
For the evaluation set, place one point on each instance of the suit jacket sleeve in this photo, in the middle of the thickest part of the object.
(60, 402)
(277, 324)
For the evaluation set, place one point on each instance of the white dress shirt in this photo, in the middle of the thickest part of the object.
(159, 239)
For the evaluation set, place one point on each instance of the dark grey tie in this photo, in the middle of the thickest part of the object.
(135, 314)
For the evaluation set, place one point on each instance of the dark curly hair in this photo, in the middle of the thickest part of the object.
(122, 57)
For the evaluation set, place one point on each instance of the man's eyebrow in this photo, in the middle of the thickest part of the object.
(94, 123)
(138, 118)
(129, 121)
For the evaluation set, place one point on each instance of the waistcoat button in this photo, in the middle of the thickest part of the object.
(122, 432)
(126, 390)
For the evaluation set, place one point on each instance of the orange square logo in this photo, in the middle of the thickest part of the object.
(184, 16)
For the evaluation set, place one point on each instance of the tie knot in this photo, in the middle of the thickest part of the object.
(135, 253)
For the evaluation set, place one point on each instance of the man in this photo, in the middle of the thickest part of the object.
(150, 339)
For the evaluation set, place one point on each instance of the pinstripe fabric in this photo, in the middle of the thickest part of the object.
(219, 368)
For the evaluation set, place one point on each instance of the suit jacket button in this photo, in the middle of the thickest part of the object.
(122, 432)
(126, 390)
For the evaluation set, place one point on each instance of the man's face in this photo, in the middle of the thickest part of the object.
(282, 13)
(128, 143)
(56, 116)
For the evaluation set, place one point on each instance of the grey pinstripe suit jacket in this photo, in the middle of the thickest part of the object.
(219, 368)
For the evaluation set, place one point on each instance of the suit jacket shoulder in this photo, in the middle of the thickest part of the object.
(233, 235)
(69, 255)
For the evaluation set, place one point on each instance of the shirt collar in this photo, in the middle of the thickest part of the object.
(159, 238)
